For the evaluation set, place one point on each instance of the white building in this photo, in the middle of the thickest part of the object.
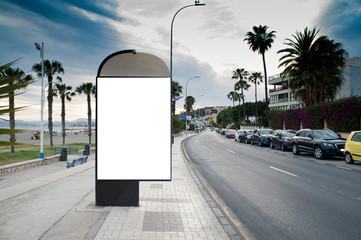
(281, 97)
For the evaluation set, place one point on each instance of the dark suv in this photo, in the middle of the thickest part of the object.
(320, 142)
(262, 137)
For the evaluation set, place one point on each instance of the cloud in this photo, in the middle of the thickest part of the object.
(342, 21)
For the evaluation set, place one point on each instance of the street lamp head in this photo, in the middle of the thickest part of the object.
(196, 3)
(37, 46)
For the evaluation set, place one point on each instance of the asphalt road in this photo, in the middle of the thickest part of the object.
(277, 195)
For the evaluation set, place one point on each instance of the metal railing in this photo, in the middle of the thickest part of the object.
(70, 150)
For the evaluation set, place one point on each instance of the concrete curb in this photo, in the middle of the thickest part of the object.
(20, 166)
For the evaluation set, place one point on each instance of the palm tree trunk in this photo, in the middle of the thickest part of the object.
(63, 118)
(173, 108)
(50, 110)
(265, 81)
(89, 119)
(12, 122)
(255, 87)
(244, 109)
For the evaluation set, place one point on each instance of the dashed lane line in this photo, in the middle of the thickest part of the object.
(230, 151)
(280, 170)
(349, 169)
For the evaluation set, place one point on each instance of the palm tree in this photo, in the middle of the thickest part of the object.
(260, 40)
(19, 77)
(8, 85)
(314, 66)
(88, 89)
(232, 95)
(65, 92)
(242, 84)
(176, 91)
(50, 69)
(189, 104)
(256, 78)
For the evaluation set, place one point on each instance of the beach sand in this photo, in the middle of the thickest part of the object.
(81, 137)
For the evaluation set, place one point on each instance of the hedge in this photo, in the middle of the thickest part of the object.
(341, 116)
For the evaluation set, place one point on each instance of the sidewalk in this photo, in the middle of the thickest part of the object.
(173, 210)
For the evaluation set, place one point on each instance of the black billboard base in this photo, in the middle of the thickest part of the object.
(117, 193)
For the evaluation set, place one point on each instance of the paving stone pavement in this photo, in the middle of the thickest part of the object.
(171, 210)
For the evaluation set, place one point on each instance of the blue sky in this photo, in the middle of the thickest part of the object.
(208, 41)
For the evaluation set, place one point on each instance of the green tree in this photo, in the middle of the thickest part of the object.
(18, 77)
(50, 70)
(176, 91)
(188, 106)
(233, 96)
(256, 78)
(65, 93)
(242, 84)
(260, 41)
(8, 85)
(88, 89)
(314, 66)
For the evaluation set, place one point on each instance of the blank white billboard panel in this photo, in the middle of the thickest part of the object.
(133, 128)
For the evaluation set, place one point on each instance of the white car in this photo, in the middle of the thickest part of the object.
(238, 133)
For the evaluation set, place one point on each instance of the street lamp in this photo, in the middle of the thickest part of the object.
(196, 4)
(41, 49)
(196, 103)
(187, 101)
(196, 108)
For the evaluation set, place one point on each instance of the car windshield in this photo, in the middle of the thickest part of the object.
(325, 134)
(288, 134)
(231, 131)
(265, 131)
(249, 133)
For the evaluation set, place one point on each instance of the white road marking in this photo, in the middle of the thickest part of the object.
(196, 141)
(280, 170)
(349, 169)
(230, 151)
(215, 144)
(323, 163)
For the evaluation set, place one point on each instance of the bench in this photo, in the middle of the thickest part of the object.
(76, 162)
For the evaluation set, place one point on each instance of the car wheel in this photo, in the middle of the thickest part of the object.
(295, 149)
(271, 145)
(348, 158)
(259, 143)
(318, 152)
(283, 147)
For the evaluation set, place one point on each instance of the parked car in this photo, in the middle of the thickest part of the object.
(353, 147)
(238, 133)
(230, 133)
(282, 139)
(261, 137)
(320, 142)
(246, 136)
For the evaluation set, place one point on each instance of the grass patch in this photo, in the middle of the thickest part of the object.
(25, 153)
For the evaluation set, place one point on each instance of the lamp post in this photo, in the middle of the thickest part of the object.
(196, 102)
(196, 4)
(187, 101)
(196, 108)
(41, 49)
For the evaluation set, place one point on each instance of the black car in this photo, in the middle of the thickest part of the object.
(282, 139)
(261, 137)
(320, 142)
(245, 136)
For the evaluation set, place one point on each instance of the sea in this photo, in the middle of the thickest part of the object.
(58, 129)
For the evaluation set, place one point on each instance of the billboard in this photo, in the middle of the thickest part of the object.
(133, 128)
